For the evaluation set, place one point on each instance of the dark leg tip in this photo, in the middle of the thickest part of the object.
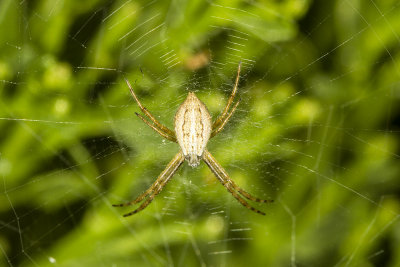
(267, 201)
(130, 213)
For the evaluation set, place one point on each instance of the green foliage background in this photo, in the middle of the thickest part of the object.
(317, 130)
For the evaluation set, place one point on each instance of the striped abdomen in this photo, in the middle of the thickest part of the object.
(192, 128)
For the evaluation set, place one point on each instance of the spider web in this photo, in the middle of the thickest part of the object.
(317, 130)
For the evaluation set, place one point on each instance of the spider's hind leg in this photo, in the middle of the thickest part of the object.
(154, 193)
(157, 186)
(230, 185)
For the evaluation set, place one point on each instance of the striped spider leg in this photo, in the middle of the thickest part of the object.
(193, 129)
(157, 186)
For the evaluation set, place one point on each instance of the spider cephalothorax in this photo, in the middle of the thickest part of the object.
(193, 129)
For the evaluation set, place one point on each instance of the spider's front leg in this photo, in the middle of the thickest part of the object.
(157, 186)
(230, 185)
(159, 131)
(157, 126)
(224, 116)
(223, 123)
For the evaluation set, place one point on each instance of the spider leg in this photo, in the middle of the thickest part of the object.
(160, 132)
(222, 116)
(154, 193)
(226, 119)
(233, 184)
(229, 184)
(159, 125)
(158, 185)
(143, 195)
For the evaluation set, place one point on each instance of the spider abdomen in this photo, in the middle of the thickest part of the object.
(192, 128)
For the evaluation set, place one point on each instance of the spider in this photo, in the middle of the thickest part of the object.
(193, 129)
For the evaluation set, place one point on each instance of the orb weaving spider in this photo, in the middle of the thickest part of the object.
(193, 129)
